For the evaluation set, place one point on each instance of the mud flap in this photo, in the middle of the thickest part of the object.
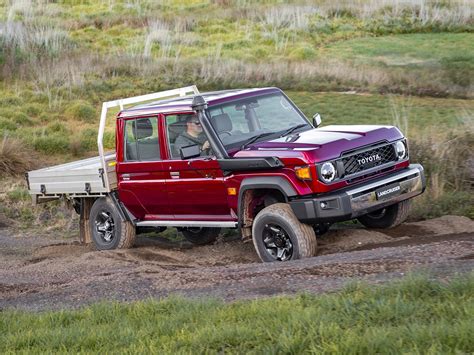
(84, 228)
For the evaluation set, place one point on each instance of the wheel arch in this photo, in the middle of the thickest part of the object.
(260, 191)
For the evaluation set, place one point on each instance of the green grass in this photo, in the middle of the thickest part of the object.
(405, 50)
(419, 112)
(416, 315)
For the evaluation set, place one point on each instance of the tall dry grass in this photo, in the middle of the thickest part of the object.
(15, 157)
(448, 160)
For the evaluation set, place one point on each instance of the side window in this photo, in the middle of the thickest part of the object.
(176, 126)
(184, 130)
(141, 140)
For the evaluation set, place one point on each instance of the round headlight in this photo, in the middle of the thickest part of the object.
(328, 172)
(400, 150)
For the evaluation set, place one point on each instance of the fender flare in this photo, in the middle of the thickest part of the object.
(268, 182)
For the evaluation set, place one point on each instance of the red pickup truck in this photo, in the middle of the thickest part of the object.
(246, 159)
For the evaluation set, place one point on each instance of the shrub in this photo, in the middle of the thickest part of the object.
(10, 101)
(81, 110)
(18, 194)
(6, 124)
(109, 140)
(88, 140)
(7, 112)
(15, 158)
(303, 53)
(57, 127)
(22, 119)
(52, 144)
(34, 109)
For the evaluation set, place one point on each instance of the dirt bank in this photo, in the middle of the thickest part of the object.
(39, 272)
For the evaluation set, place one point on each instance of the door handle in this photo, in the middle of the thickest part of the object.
(126, 177)
(174, 174)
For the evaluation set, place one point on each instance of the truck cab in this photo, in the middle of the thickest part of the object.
(249, 159)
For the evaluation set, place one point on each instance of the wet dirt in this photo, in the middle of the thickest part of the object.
(51, 272)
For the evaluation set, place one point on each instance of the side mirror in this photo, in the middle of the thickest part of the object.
(316, 120)
(190, 151)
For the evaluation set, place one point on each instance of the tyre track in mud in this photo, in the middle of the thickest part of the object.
(40, 273)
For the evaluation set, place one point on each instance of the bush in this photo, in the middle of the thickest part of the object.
(52, 144)
(81, 110)
(6, 124)
(34, 109)
(18, 194)
(22, 119)
(109, 140)
(7, 112)
(303, 53)
(15, 158)
(88, 140)
(10, 101)
(57, 127)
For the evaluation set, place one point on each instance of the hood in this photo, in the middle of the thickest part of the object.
(325, 143)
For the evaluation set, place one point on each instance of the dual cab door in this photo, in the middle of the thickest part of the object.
(155, 184)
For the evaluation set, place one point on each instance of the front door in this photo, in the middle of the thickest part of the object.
(195, 187)
(140, 170)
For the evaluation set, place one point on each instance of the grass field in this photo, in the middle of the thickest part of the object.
(416, 315)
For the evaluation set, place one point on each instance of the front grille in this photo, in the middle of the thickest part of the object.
(367, 159)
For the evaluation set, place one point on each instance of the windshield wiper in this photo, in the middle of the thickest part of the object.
(292, 129)
(254, 138)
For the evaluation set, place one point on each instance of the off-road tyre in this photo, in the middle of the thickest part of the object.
(387, 217)
(123, 231)
(280, 216)
(201, 236)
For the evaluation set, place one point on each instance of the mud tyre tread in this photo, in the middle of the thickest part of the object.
(394, 215)
(302, 235)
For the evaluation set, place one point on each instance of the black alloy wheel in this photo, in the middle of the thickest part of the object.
(105, 226)
(277, 242)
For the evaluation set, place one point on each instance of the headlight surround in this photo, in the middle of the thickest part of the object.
(401, 150)
(327, 172)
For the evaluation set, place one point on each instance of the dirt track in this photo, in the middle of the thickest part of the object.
(46, 272)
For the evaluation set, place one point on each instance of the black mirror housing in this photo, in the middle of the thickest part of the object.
(190, 151)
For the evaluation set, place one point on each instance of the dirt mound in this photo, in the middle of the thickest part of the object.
(339, 240)
(234, 252)
(445, 225)
(154, 251)
(62, 250)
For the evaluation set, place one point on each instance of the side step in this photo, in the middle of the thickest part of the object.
(223, 224)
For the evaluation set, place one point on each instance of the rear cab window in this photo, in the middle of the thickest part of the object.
(141, 142)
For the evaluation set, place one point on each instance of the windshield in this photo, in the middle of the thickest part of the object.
(239, 121)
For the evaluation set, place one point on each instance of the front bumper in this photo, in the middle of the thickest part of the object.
(359, 200)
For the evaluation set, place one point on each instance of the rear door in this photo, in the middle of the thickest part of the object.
(140, 170)
(195, 187)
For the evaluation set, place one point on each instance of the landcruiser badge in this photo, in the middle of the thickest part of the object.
(369, 159)
(388, 191)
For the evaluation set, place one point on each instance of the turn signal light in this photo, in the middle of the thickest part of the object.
(303, 173)
(232, 191)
